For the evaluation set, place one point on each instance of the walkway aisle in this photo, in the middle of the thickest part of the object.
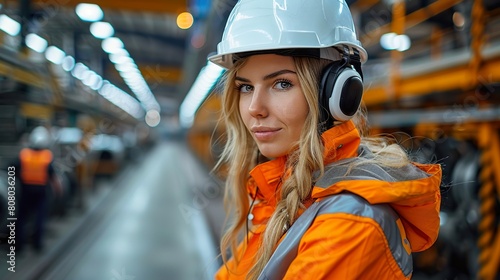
(152, 229)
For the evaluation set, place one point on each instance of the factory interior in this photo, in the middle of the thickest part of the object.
(134, 109)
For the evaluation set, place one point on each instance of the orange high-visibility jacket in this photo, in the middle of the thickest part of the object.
(343, 245)
(35, 166)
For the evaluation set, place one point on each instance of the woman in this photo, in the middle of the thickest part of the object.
(311, 195)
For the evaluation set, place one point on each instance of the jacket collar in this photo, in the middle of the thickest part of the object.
(340, 142)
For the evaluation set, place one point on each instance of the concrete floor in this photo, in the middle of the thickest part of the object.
(158, 219)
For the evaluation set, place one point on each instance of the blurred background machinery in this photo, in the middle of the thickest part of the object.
(112, 80)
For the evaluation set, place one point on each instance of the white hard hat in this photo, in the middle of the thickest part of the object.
(40, 138)
(262, 25)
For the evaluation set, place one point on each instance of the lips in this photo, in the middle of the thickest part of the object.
(265, 133)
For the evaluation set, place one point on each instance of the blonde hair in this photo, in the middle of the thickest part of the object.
(241, 154)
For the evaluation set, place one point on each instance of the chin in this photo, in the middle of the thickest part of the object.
(271, 153)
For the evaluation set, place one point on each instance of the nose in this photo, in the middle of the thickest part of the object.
(258, 104)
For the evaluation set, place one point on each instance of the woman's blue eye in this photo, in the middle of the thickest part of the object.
(244, 88)
(283, 85)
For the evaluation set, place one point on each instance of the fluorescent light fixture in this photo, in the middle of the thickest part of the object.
(403, 43)
(152, 118)
(131, 76)
(89, 12)
(54, 55)
(120, 56)
(68, 63)
(36, 43)
(121, 99)
(386, 41)
(92, 80)
(125, 67)
(125, 60)
(112, 45)
(202, 86)
(88, 77)
(97, 83)
(79, 70)
(392, 41)
(130, 73)
(101, 30)
(9, 26)
(134, 80)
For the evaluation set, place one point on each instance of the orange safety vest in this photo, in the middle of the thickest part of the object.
(35, 166)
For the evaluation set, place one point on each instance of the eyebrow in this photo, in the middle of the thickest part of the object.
(268, 76)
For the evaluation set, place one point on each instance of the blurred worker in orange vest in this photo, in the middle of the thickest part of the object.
(36, 173)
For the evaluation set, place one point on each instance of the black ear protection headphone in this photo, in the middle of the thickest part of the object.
(341, 89)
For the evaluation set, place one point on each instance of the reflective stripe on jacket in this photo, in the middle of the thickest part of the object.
(35, 166)
(346, 203)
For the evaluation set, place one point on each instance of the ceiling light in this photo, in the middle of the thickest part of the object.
(152, 118)
(129, 72)
(68, 63)
(120, 56)
(121, 99)
(125, 67)
(403, 42)
(185, 20)
(92, 80)
(78, 70)
(98, 82)
(201, 87)
(88, 77)
(9, 25)
(36, 43)
(458, 20)
(386, 41)
(112, 45)
(101, 30)
(89, 12)
(123, 60)
(55, 55)
(392, 41)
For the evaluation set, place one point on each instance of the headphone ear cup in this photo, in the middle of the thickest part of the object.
(325, 90)
(341, 92)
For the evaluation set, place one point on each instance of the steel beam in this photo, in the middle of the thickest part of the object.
(148, 6)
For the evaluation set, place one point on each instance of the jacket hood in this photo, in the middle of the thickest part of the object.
(413, 190)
